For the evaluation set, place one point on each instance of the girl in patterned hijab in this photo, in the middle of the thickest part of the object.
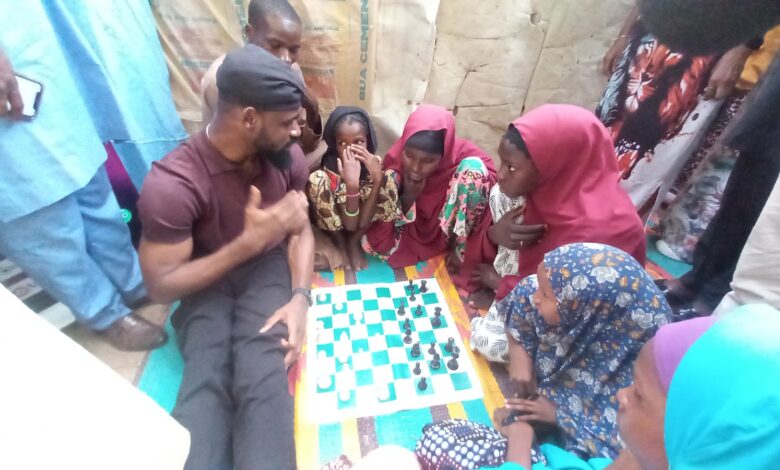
(575, 330)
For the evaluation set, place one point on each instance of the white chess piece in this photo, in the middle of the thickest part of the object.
(324, 382)
(344, 395)
(382, 392)
(343, 348)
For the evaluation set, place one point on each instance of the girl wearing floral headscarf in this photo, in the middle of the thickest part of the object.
(575, 330)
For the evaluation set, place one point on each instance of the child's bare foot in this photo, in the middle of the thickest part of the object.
(341, 245)
(482, 299)
(355, 252)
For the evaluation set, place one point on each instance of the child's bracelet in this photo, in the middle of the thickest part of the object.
(351, 214)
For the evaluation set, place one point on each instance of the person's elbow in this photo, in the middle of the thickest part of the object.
(159, 293)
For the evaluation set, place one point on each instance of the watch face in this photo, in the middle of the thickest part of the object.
(304, 292)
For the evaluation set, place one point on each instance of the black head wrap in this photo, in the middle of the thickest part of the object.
(708, 26)
(337, 117)
(427, 141)
(252, 76)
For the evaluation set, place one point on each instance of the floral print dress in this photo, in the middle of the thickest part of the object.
(609, 307)
(649, 96)
(465, 205)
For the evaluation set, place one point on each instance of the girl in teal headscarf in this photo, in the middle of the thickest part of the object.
(722, 408)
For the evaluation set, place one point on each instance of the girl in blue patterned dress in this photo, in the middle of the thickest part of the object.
(575, 329)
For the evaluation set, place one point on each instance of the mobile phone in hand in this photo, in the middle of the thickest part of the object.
(31, 92)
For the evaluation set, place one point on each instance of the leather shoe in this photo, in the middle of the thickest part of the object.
(676, 299)
(686, 312)
(134, 333)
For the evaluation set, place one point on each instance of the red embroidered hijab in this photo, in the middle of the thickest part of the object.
(424, 238)
(578, 196)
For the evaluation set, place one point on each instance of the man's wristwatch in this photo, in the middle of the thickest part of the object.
(304, 292)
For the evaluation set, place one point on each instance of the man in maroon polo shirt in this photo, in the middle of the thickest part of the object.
(225, 229)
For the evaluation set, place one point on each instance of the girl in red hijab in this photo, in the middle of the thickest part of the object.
(562, 160)
(444, 184)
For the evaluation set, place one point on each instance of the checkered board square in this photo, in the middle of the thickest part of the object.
(359, 364)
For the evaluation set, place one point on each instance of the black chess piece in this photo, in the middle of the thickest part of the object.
(450, 345)
(432, 349)
(401, 310)
(412, 297)
(407, 324)
(422, 384)
(408, 337)
(411, 285)
(415, 352)
(416, 370)
(435, 322)
(436, 356)
(435, 363)
(418, 311)
(437, 311)
(423, 286)
(452, 364)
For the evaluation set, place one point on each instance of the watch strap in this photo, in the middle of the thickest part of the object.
(304, 292)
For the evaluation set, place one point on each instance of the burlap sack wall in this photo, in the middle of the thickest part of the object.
(336, 57)
(487, 61)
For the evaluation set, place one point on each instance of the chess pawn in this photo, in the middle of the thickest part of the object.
(452, 364)
(418, 312)
(422, 385)
(423, 286)
(416, 370)
(432, 349)
(450, 345)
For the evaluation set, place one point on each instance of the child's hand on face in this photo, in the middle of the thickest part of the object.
(349, 169)
(372, 162)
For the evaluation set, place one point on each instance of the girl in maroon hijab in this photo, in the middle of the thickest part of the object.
(444, 184)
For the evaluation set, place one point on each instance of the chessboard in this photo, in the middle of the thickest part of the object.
(376, 349)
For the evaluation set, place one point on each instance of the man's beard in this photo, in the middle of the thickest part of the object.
(280, 159)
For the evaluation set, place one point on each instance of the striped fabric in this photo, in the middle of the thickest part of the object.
(37, 299)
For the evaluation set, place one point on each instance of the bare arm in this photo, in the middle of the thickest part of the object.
(293, 313)
(631, 20)
(610, 60)
(521, 369)
(170, 273)
(374, 167)
(301, 258)
(349, 169)
(369, 205)
(520, 437)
